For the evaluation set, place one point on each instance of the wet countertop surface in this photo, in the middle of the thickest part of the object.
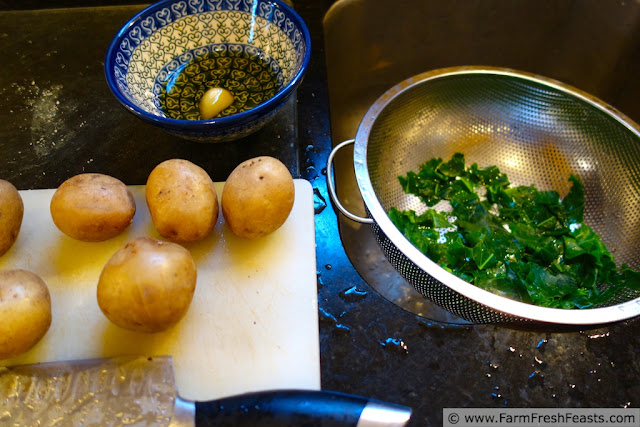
(58, 118)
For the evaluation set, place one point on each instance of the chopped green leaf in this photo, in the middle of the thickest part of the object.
(454, 167)
(519, 242)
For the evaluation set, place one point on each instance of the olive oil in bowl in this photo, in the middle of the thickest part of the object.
(240, 69)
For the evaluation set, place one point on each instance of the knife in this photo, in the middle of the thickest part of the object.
(141, 391)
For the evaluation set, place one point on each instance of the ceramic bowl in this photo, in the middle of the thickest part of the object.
(197, 38)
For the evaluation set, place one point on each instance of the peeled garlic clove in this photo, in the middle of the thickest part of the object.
(214, 101)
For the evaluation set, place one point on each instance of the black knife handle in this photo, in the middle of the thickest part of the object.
(295, 408)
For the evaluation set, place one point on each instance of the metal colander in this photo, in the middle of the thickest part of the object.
(537, 131)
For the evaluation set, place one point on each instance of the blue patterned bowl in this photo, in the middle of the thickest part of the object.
(167, 37)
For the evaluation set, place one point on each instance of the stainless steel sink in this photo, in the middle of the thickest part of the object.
(370, 45)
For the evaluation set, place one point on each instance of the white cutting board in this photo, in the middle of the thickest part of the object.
(252, 324)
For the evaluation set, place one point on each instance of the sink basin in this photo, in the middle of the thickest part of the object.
(370, 45)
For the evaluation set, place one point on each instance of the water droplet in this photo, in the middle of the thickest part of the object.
(596, 336)
(540, 362)
(536, 379)
(327, 266)
(325, 316)
(319, 202)
(575, 392)
(542, 344)
(312, 175)
(395, 344)
(512, 349)
(329, 319)
(353, 294)
(341, 329)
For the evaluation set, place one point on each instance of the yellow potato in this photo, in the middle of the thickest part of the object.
(182, 201)
(147, 285)
(92, 207)
(25, 311)
(258, 196)
(11, 212)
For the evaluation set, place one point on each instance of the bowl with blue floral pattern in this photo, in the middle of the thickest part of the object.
(208, 70)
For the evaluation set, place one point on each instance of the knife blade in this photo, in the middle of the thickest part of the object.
(141, 391)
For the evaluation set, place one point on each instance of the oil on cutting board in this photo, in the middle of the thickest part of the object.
(252, 324)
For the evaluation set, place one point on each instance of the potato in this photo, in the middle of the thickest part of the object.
(258, 196)
(25, 311)
(182, 201)
(92, 207)
(11, 212)
(147, 285)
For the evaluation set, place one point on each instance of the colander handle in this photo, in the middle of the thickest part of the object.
(332, 190)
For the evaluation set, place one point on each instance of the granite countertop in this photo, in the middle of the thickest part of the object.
(368, 345)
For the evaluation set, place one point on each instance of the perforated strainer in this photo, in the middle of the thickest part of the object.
(537, 131)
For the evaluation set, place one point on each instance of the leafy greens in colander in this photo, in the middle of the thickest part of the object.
(519, 242)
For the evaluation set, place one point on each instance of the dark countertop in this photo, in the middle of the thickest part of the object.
(58, 118)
